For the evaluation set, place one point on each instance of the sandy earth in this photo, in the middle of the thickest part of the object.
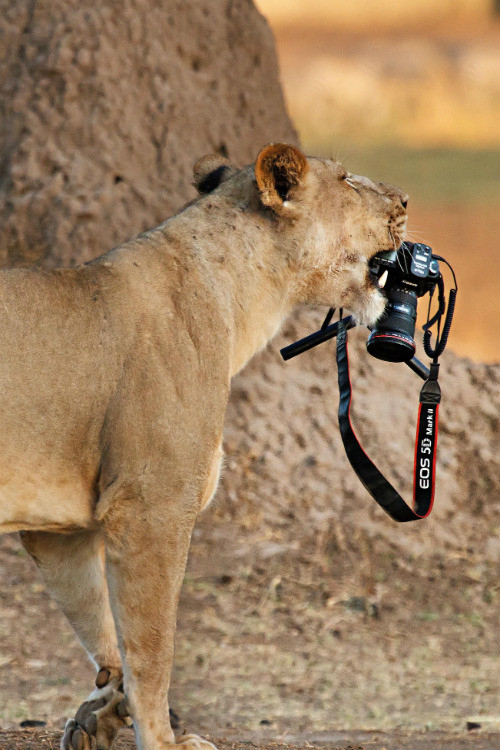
(41, 739)
(350, 633)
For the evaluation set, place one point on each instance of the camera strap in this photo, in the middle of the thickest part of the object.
(425, 445)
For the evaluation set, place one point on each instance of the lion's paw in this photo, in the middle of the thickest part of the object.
(98, 720)
(193, 742)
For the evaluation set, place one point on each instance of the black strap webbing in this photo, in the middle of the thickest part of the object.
(425, 449)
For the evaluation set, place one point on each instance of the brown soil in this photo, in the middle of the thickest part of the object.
(39, 739)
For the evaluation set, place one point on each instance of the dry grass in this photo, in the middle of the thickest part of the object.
(412, 89)
(380, 15)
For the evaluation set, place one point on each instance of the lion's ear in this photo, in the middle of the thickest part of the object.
(210, 171)
(279, 170)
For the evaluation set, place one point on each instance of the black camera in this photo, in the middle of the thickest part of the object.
(405, 275)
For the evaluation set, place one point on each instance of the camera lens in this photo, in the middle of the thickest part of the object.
(392, 338)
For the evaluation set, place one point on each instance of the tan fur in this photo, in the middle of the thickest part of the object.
(211, 166)
(114, 380)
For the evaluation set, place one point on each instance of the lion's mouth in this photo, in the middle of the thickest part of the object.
(378, 282)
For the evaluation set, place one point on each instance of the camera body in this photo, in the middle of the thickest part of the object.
(412, 271)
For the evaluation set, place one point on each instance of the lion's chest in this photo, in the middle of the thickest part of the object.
(38, 493)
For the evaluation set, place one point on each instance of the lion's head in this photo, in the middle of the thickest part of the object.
(327, 221)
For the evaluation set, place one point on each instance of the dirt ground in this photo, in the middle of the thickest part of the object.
(290, 642)
(40, 739)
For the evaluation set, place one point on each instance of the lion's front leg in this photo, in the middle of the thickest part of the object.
(147, 544)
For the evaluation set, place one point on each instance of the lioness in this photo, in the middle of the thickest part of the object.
(114, 383)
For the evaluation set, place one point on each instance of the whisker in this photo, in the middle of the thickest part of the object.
(415, 232)
(395, 249)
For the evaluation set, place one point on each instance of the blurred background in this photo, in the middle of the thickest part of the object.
(409, 93)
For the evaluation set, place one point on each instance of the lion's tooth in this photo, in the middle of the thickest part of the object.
(383, 279)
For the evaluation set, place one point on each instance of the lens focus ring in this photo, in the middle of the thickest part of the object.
(392, 338)
(397, 294)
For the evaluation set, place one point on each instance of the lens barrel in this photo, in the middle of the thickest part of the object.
(392, 338)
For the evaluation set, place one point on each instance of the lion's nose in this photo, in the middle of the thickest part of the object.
(395, 194)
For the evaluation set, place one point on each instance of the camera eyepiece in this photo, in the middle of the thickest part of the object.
(412, 271)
